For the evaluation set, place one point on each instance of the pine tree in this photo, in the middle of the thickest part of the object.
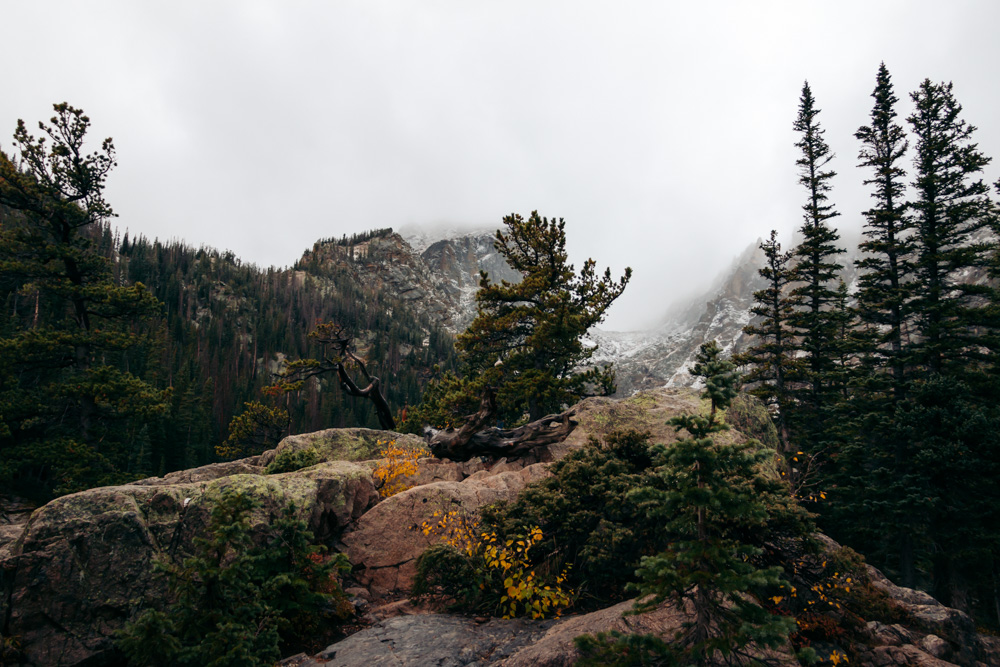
(951, 208)
(815, 273)
(66, 400)
(715, 500)
(770, 357)
(954, 344)
(525, 347)
(886, 269)
(874, 463)
(234, 601)
(945, 495)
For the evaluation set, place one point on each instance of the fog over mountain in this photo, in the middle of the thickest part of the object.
(661, 132)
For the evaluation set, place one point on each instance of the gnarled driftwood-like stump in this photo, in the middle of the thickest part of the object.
(461, 445)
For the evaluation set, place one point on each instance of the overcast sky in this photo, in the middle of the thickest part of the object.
(660, 131)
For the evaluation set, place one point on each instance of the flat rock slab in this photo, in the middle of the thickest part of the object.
(440, 640)
(445, 640)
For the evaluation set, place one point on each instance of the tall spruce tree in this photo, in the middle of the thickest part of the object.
(954, 342)
(951, 208)
(70, 412)
(770, 358)
(815, 273)
(850, 342)
(875, 463)
(886, 267)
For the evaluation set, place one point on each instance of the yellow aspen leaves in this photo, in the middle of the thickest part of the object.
(520, 592)
(397, 463)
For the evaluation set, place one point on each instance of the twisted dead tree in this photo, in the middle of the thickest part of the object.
(336, 344)
(465, 443)
(475, 438)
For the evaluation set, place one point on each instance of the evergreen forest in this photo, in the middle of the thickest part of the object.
(886, 397)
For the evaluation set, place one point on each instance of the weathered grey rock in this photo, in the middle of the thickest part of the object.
(206, 473)
(907, 654)
(14, 510)
(343, 444)
(556, 648)
(953, 631)
(936, 647)
(890, 635)
(430, 470)
(439, 639)
(908, 596)
(83, 564)
(431, 639)
(989, 650)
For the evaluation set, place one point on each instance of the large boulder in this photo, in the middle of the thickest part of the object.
(343, 444)
(556, 649)
(386, 542)
(937, 632)
(442, 640)
(206, 473)
(83, 563)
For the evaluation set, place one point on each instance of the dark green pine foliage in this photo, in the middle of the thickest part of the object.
(992, 318)
(953, 349)
(886, 267)
(951, 210)
(815, 272)
(850, 343)
(947, 497)
(525, 343)
(770, 358)
(874, 475)
(589, 517)
(237, 602)
(716, 503)
(77, 396)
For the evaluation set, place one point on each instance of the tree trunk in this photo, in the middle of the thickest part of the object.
(372, 392)
(471, 441)
(907, 566)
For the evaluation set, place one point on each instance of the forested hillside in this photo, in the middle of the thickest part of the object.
(230, 325)
(124, 357)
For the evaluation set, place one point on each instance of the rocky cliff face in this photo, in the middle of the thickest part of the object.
(439, 275)
(436, 277)
(457, 263)
(664, 355)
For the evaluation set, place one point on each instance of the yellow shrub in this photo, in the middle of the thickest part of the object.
(396, 465)
(503, 567)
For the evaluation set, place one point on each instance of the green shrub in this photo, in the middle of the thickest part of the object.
(289, 460)
(588, 517)
(450, 569)
(235, 603)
